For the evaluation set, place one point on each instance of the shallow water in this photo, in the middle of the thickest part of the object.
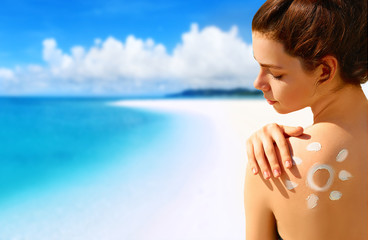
(44, 140)
(84, 169)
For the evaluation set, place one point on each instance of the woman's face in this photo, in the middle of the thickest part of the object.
(283, 81)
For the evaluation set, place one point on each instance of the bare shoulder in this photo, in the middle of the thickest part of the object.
(329, 145)
(328, 184)
(328, 157)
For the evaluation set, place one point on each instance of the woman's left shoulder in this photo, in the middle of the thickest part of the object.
(322, 141)
(330, 147)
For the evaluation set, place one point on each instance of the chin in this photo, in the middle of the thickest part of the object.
(285, 110)
(282, 111)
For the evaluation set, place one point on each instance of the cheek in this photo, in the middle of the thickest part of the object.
(293, 96)
(284, 91)
(298, 88)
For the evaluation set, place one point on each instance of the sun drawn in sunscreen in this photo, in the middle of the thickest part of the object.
(312, 199)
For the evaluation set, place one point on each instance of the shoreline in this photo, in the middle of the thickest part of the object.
(219, 209)
(186, 183)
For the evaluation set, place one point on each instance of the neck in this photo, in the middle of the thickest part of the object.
(342, 107)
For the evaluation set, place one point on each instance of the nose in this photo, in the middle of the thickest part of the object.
(261, 82)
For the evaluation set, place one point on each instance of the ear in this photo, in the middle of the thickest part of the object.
(328, 68)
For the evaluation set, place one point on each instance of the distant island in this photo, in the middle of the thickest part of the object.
(236, 92)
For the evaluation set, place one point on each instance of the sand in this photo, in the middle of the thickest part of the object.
(185, 184)
(210, 206)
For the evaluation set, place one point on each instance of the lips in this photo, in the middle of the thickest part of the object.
(270, 101)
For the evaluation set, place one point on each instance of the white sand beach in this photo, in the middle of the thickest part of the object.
(211, 204)
(185, 184)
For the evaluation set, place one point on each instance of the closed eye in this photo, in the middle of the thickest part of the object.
(277, 77)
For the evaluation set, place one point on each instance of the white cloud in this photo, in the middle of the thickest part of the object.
(204, 58)
(113, 60)
(211, 54)
(6, 74)
(7, 80)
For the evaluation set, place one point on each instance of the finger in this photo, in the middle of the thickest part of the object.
(283, 148)
(251, 158)
(292, 131)
(261, 159)
(269, 150)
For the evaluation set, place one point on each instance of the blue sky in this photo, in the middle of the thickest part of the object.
(24, 24)
(111, 47)
(38, 38)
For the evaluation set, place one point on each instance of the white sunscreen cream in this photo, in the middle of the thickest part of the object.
(335, 195)
(343, 154)
(290, 184)
(312, 201)
(297, 161)
(344, 175)
(313, 170)
(314, 147)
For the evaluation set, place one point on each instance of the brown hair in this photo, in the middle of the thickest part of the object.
(313, 29)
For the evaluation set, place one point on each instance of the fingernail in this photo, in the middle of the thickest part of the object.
(266, 174)
(288, 164)
(254, 170)
(276, 173)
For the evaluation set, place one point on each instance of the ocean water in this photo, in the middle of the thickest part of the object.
(85, 169)
(44, 140)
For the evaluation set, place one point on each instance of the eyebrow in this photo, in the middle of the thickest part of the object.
(270, 66)
(267, 65)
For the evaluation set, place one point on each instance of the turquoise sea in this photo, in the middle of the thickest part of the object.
(86, 169)
(46, 140)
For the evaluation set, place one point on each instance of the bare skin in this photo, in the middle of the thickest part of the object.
(261, 149)
(340, 122)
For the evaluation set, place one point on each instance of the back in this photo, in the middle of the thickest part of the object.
(324, 196)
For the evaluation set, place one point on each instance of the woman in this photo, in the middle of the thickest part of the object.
(312, 54)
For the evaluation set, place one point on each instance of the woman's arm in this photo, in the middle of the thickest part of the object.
(261, 149)
(260, 221)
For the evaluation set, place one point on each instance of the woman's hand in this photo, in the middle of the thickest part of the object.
(261, 149)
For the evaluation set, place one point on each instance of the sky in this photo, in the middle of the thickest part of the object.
(125, 48)
(113, 47)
